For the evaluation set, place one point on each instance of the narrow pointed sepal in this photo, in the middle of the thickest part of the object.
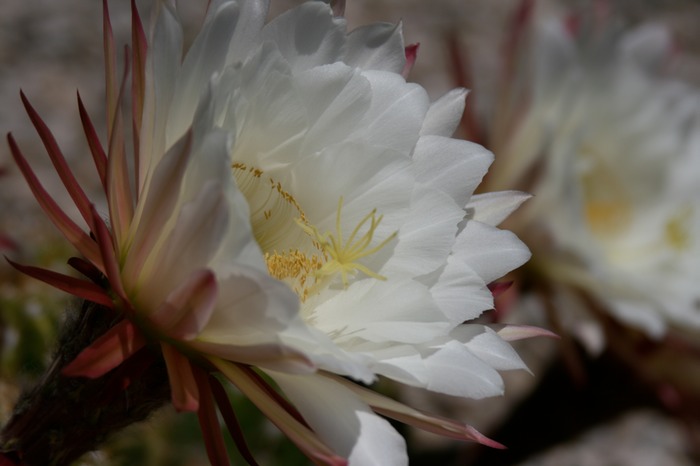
(307, 440)
(119, 195)
(521, 332)
(72, 285)
(98, 153)
(209, 421)
(110, 67)
(425, 421)
(338, 7)
(106, 245)
(183, 385)
(232, 424)
(72, 232)
(498, 288)
(59, 162)
(411, 52)
(107, 352)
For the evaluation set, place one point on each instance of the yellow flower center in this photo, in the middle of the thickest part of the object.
(677, 235)
(607, 208)
(295, 251)
(344, 256)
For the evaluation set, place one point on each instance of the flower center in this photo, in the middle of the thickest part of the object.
(296, 252)
(608, 209)
(677, 235)
(273, 211)
(344, 256)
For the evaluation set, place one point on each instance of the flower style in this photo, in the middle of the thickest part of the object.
(617, 142)
(301, 212)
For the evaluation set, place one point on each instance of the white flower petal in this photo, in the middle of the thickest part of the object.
(396, 114)
(376, 47)
(251, 308)
(344, 422)
(205, 57)
(307, 36)
(493, 208)
(166, 37)
(395, 310)
(451, 369)
(426, 235)
(453, 166)
(444, 114)
(489, 251)
(248, 29)
(460, 292)
(488, 346)
(337, 97)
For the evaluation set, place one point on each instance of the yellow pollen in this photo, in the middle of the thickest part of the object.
(607, 217)
(677, 230)
(608, 206)
(343, 256)
(273, 210)
(295, 268)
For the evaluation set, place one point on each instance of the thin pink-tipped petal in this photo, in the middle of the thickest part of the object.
(428, 422)
(157, 207)
(109, 259)
(498, 288)
(119, 196)
(338, 7)
(307, 441)
(138, 79)
(187, 309)
(518, 29)
(8, 243)
(183, 386)
(229, 415)
(275, 356)
(411, 52)
(72, 186)
(209, 421)
(73, 233)
(98, 153)
(107, 352)
(110, 68)
(521, 332)
(74, 286)
(87, 269)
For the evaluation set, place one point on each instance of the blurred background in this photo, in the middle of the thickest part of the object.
(591, 106)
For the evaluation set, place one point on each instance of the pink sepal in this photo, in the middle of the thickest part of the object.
(183, 386)
(209, 421)
(72, 285)
(96, 149)
(111, 267)
(411, 52)
(59, 162)
(498, 288)
(188, 308)
(107, 352)
(425, 421)
(72, 232)
(521, 332)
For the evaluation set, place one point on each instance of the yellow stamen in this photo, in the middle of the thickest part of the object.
(677, 230)
(294, 267)
(344, 256)
(272, 209)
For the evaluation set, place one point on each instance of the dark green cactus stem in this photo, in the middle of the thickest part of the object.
(62, 418)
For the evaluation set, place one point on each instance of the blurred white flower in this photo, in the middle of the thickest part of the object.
(610, 147)
(300, 206)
